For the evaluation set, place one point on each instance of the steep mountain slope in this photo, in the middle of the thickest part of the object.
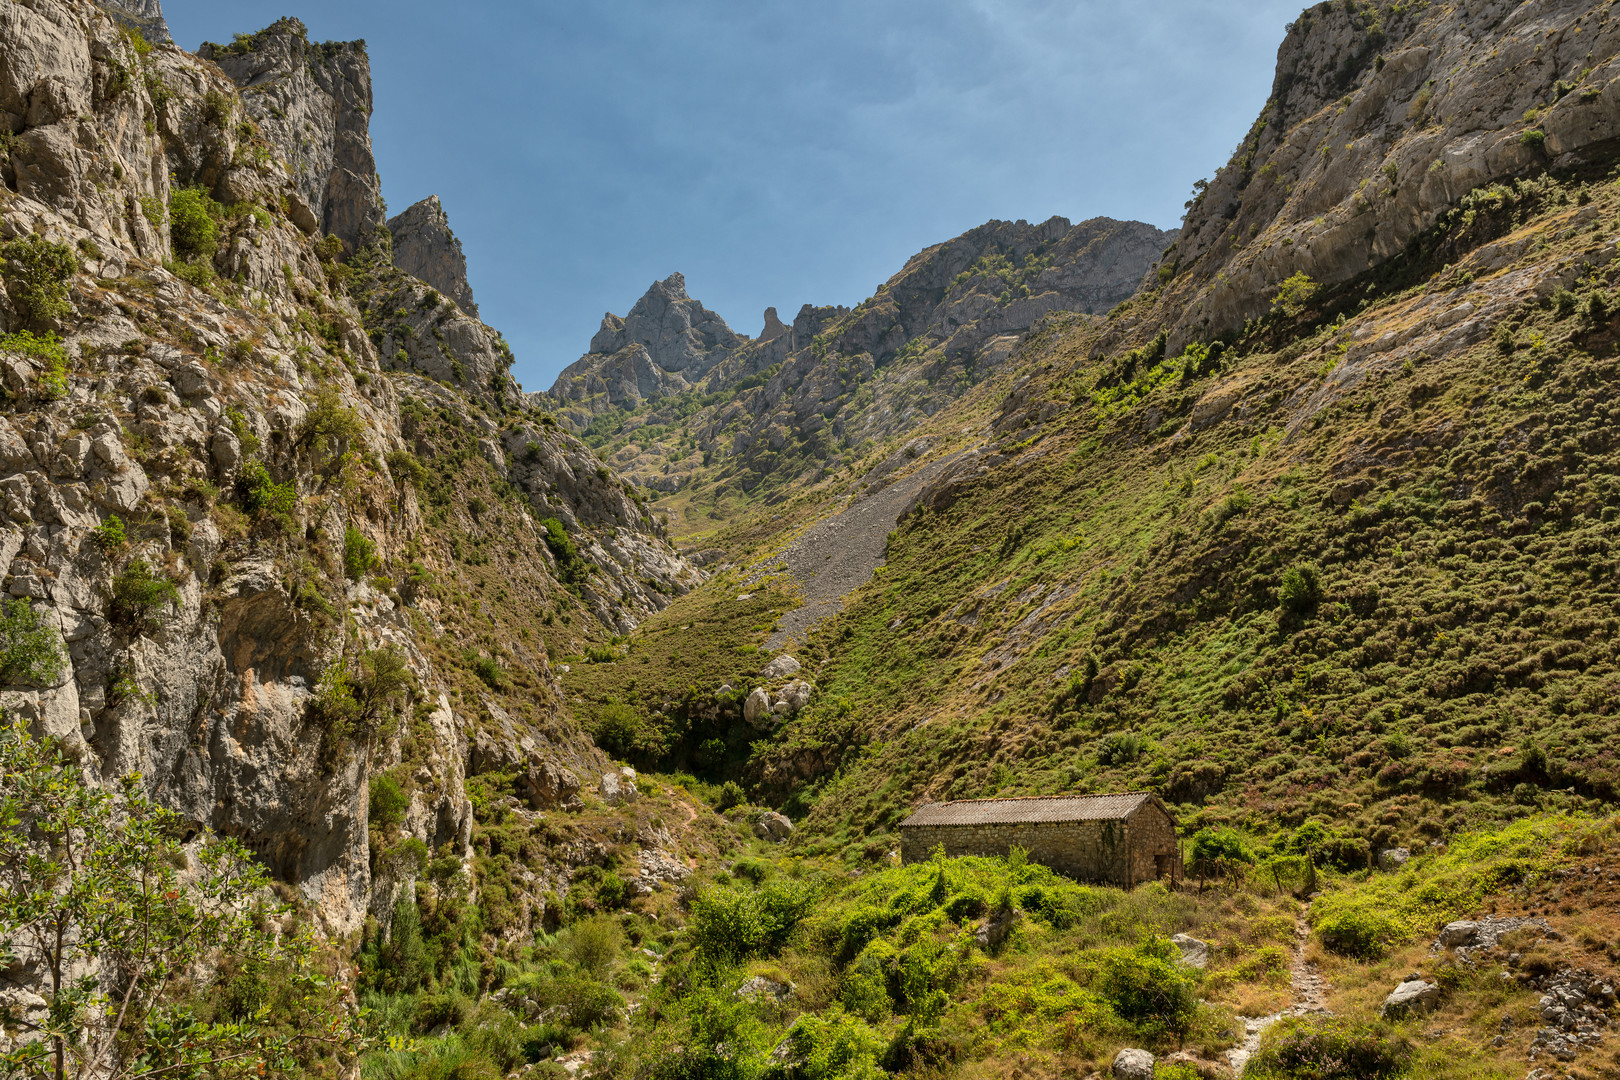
(677, 401)
(281, 574)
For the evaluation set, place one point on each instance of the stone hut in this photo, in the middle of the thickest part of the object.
(1115, 839)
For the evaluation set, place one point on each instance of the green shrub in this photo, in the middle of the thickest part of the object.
(1294, 294)
(1357, 932)
(29, 652)
(730, 794)
(486, 668)
(388, 802)
(330, 426)
(199, 274)
(407, 468)
(1301, 588)
(141, 596)
(592, 945)
(1119, 748)
(1330, 1049)
(571, 567)
(261, 495)
(109, 536)
(52, 384)
(1146, 986)
(359, 554)
(1535, 138)
(1220, 844)
(730, 925)
(583, 1002)
(37, 273)
(194, 219)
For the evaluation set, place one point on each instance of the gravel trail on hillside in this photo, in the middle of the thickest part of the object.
(838, 555)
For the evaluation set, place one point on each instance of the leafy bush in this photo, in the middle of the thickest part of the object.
(194, 219)
(52, 384)
(272, 502)
(37, 273)
(359, 554)
(1330, 1049)
(1146, 986)
(583, 1002)
(1357, 932)
(486, 668)
(1220, 844)
(572, 568)
(330, 426)
(1119, 748)
(729, 925)
(109, 536)
(730, 794)
(140, 597)
(593, 944)
(1301, 588)
(388, 802)
(29, 652)
(408, 468)
(1294, 294)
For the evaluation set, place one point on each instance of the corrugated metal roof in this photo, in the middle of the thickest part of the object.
(1039, 808)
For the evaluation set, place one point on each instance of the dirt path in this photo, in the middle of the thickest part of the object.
(838, 555)
(1310, 996)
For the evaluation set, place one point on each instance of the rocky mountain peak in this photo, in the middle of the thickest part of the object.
(678, 333)
(145, 16)
(313, 104)
(774, 327)
(426, 248)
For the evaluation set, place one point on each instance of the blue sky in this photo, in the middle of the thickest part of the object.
(776, 153)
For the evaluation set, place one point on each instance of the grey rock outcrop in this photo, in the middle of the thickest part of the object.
(1412, 997)
(780, 668)
(773, 827)
(995, 929)
(1371, 133)
(1133, 1064)
(757, 707)
(313, 103)
(425, 248)
(145, 16)
(1193, 952)
(664, 346)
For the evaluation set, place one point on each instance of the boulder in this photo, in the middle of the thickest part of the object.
(1132, 1064)
(796, 695)
(1461, 932)
(1194, 953)
(757, 709)
(1393, 858)
(996, 928)
(773, 827)
(780, 668)
(1412, 998)
(619, 787)
(761, 989)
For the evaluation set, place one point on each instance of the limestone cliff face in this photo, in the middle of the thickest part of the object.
(307, 505)
(143, 15)
(808, 395)
(1381, 118)
(425, 248)
(313, 104)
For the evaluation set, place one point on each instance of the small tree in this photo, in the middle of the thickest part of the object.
(37, 273)
(94, 912)
(1293, 294)
(29, 652)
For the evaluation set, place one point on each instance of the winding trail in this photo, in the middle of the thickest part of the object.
(1310, 997)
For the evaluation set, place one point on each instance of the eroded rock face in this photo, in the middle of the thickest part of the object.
(172, 392)
(143, 15)
(313, 103)
(1376, 125)
(425, 248)
(954, 316)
